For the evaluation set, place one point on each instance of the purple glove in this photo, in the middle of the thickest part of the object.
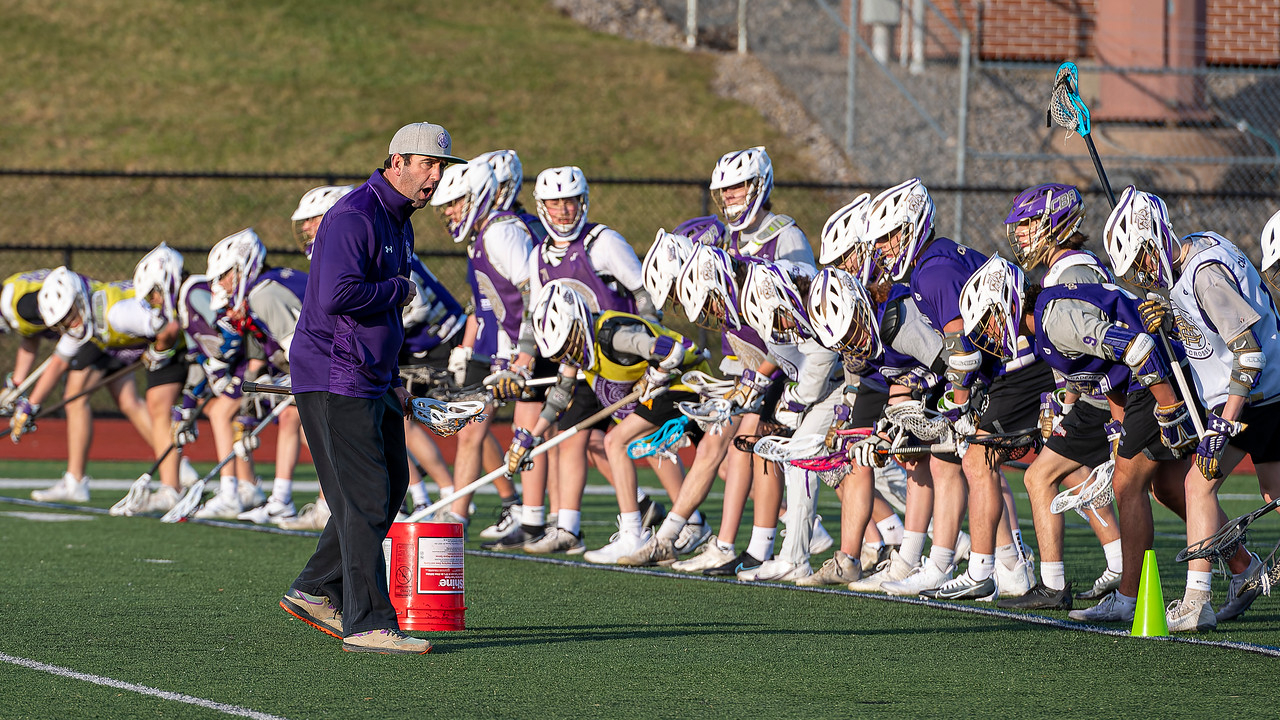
(517, 457)
(1217, 436)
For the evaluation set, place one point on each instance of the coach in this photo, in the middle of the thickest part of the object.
(346, 381)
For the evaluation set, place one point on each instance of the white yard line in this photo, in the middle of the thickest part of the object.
(224, 708)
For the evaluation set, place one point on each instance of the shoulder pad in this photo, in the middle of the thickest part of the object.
(891, 320)
(773, 228)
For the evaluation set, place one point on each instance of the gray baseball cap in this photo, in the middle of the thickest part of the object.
(423, 139)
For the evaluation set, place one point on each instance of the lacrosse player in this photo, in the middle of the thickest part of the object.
(90, 345)
(619, 353)
(1228, 325)
(740, 185)
(1043, 228)
(20, 314)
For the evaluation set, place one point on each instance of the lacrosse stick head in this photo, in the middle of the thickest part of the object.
(1003, 447)
(1094, 492)
(844, 318)
(830, 469)
(445, 419)
(991, 307)
(1140, 241)
(1066, 108)
(740, 185)
(842, 236)
(1271, 251)
(708, 290)
(1041, 220)
(911, 416)
(711, 415)
(772, 303)
(663, 441)
(705, 385)
(782, 449)
(668, 253)
(1224, 543)
(899, 223)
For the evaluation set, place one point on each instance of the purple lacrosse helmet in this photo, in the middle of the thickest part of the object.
(707, 230)
(1047, 216)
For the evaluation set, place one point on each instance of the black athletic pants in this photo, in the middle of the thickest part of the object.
(360, 457)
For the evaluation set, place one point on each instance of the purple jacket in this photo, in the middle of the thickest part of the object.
(349, 336)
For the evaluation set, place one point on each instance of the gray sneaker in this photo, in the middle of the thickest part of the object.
(556, 540)
(692, 535)
(1108, 610)
(387, 642)
(1184, 615)
(1107, 582)
(314, 610)
(839, 569)
(655, 551)
(1243, 590)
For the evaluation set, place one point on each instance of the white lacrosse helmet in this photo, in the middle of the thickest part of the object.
(314, 203)
(63, 294)
(561, 183)
(242, 252)
(773, 305)
(751, 166)
(662, 264)
(509, 175)
(160, 269)
(563, 325)
(844, 318)
(1271, 251)
(708, 290)
(907, 211)
(1140, 240)
(843, 235)
(474, 185)
(991, 307)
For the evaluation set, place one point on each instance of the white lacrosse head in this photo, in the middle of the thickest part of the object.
(563, 325)
(241, 252)
(991, 307)
(159, 270)
(63, 298)
(1140, 240)
(772, 304)
(842, 235)
(509, 174)
(899, 222)
(314, 204)
(562, 183)
(472, 186)
(752, 167)
(1271, 251)
(708, 290)
(844, 318)
(668, 253)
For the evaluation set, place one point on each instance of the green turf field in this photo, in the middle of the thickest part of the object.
(191, 609)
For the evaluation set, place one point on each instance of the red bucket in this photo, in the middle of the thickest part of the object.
(424, 575)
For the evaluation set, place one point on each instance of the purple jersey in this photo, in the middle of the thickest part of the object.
(1088, 370)
(490, 289)
(444, 315)
(575, 266)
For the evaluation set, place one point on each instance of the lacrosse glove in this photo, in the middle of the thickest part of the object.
(1217, 436)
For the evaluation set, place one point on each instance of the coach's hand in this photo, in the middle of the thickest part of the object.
(403, 397)
(412, 292)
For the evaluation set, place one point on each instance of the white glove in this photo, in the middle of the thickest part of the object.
(458, 359)
(184, 426)
(245, 441)
(23, 419)
(864, 452)
(155, 359)
(790, 409)
(653, 384)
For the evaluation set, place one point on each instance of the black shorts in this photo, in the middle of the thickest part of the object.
(1085, 440)
(174, 372)
(665, 408)
(436, 358)
(90, 356)
(1261, 439)
(584, 405)
(1141, 430)
(1013, 400)
(477, 371)
(868, 408)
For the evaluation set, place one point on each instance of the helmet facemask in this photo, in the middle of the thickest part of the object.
(569, 229)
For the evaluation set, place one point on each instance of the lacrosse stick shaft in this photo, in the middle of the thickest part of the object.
(17, 392)
(1102, 174)
(1183, 386)
(267, 388)
(122, 372)
(540, 449)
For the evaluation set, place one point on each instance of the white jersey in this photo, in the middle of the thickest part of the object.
(1211, 359)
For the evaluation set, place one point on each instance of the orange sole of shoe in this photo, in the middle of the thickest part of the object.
(309, 621)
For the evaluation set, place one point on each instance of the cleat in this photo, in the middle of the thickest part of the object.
(1106, 583)
(710, 556)
(1242, 591)
(68, 489)
(655, 551)
(514, 540)
(620, 545)
(314, 516)
(556, 540)
(1107, 610)
(820, 541)
(314, 610)
(872, 557)
(387, 642)
(251, 495)
(1190, 616)
(187, 475)
(162, 500)
(839, 569)
(691, 536)
(269, 512)
(220, 507)
(651, 513)
(776, 570)
(1017, 580)
(894, 569)
(508, 520)
(1040, 597)
(965, 587)
(925, 576)
(743, 562)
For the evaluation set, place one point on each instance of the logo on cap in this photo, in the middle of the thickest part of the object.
(443, 140)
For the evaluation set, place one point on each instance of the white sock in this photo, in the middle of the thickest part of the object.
(282, 489)
(697, 518)
(1197, 580)
(981, 565)
(761, 545)
(891, 530)
(725, 546)
(941, 557)
(912, 546)
(1008, 556)
(1017, 537)
(533, 515)
(418, 491)
(570, 520)
(1053, 574)
(671, 527)
(227, 486)
(629, 523)
(1115, 558)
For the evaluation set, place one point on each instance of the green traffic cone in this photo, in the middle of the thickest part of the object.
(1148, 616)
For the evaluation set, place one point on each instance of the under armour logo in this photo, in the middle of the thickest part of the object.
(387, 248)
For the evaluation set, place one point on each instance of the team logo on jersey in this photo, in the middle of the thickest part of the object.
(286, 273)
(489, 294)
(1193, 341)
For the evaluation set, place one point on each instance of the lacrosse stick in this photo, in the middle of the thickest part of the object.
(912, 417)
(711, 415)
(831, 469)
(705, 385)
(777, 448)
(1068, 110)
(1267, 577)
(190, 502)
(536, 451)
(442, 418)
(46, 411)
(1008, 445)
(135, 500)
(1093, 493)
(662, 442)
(10, 396)
(1224, 543)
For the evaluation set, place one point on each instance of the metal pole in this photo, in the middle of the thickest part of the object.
(917, 37)
(962, 136)
(850, 79)
(691, 25)
(742, 27)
